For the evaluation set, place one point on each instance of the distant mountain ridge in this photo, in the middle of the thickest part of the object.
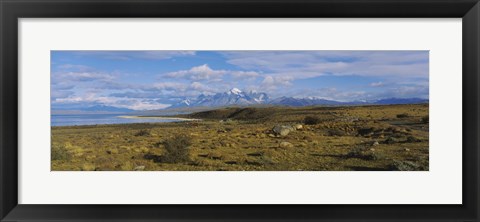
(400, 101)
(236, 97)
(232, 97)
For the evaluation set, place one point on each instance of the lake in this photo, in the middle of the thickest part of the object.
(94, 119)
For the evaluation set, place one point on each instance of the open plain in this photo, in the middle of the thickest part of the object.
(342, 138)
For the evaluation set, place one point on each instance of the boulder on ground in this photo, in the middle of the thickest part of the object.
(285, 145)
(282, 130)
(139, 168)
(298, 126)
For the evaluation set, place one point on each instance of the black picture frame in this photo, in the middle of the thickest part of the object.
(12, 10)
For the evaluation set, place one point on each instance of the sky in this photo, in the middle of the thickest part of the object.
(146, 80)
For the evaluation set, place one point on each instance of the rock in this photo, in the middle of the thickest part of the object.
(139, 168)
(375, 143)
(298, 127)
(271, 135)
(282, 130)
(285, 145)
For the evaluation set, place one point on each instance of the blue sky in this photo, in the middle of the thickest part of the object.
(144, 80)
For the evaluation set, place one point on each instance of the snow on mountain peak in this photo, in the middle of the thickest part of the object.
(186, 101)
(235, 91)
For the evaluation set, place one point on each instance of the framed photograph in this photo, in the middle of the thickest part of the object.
(224, 110)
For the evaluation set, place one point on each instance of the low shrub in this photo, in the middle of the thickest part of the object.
(142, 132)
(403, 115)
(366, 131)
(311, 120)
(406, 166)
(356, 152)
(425, 119)
(59, 152)
(336, 132)
(364, 153)
(390, 140)
(177, 149)
(412, 139)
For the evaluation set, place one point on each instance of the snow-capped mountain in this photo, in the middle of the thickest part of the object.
(232, 97)
(183, 103)
(236, 97)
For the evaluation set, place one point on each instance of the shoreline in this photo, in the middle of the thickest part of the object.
(173, 120)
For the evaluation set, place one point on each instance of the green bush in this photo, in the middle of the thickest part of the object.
(143, 132)
(390, 140)
(425, 119)
(311, 120)
(412, 139)
(356, 152)
(363, 153)
(407, 166)
(177, 149)
(59, 152)
(366, 131)
(336, 132)
(403, 115)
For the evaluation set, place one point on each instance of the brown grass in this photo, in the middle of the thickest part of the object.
(245, 143)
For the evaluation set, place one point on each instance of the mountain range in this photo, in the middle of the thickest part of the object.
(232, 97)
(236, 97)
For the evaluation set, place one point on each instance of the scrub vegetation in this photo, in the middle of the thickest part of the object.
(342, 138)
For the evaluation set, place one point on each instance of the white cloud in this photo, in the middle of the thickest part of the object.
(377, 84)
(128, 55)
(131, 103)
(244, 74)
(63, 77)
(75, 67)
(203, 72)
(273, 82)
(199, 87)
(175, 86)
(308, 64)
(60, 94)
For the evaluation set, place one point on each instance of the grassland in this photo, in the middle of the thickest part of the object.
(393, 137)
